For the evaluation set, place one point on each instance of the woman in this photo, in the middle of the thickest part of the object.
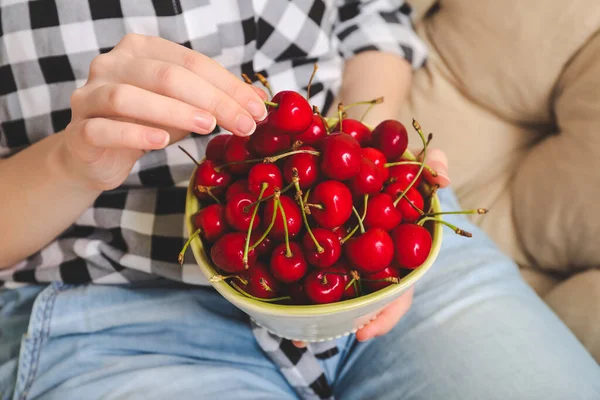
(93, 198)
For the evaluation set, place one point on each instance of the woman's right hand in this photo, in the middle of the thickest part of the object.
(144, 95)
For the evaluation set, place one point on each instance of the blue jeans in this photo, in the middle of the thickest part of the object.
(475, 331)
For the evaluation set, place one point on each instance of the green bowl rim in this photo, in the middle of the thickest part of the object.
(193, 205)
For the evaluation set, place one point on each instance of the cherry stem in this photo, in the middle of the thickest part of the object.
(456, 229)
(219, 278)
(428, 142)
(247, 79)
(353, 231)
(352, 282)
(207, 190)
(391, 279)
(306, 195)
(316, 111)
(269, 197)
(394, 164)
(372, 102)
(268, 159)
(189, 155)
(310, 81)
(317, 206)
(360, 223)
(433, 192)
(417, 128)
(296, 182)
(476, 211)
(340, 115)
(357, 288)
(270, 227)
(288, 250)
(263, 283)
(186, 245)
(265, 83)
(239, 289)
(254, 212)
(368, 110)
(270, 103)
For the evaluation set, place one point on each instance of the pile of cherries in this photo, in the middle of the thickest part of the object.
(309, 210)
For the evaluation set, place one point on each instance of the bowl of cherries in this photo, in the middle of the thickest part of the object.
(313, 225)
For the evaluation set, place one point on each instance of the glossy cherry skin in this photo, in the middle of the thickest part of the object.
(336, 199)
(228, 253)
(340, 156)
(378, 159)
(237, 149)
(266, 246)
(381, 213)
(239, 186)
(388, 272)
(404, 174)
(369, 179)
(268, 141)
(293, 114)
(207, 176)
(212, 222)
(292, 214)
(307, 166)
(235, 214)
(332, 249)
(412, 245)
(357, 130)
(322, 288)
(314, 135)
(215, 149)
(261, 283)
(391, 138)
(409, 214)
(288, 269)
(341, 232)
(370, 252)
(342, 267)
(264, 173)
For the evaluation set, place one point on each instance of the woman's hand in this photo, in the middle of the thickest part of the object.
(143, 95)
(389, 316)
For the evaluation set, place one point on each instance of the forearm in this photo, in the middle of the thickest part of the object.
(38, 200)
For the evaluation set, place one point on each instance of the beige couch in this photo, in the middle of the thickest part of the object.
(512, 94)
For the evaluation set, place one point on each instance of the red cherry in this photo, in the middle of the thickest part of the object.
(409, 214)
(307, 166)
(208, 177)
(266, 246)
(404, 174)
(264, 173)
(293, 113)
(342, 267)
(296, 292)
(340, 156)
(314, 135)
(388, 272)
(378, 159)
(261, 283)
(292, 214)
(322, 287)
(215, 149)
(267, 141)
(412, 243)
(370, 252)
(236, 187)
(341, 232)
(332, 249)
(211, 222)
(237, 217)
(357, 130)
(288, 269)
(369, 179)
(381, 213)
(336, 200)
(228, 253)
(236, 150)
(391, 138)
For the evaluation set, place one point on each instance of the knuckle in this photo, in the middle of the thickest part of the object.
(99, 65)
(215, 105)
(192, 61)
(86, 129)
(165, 75)
(76, 98)
(131, 40)
(116, 98)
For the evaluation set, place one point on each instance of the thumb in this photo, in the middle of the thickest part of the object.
(438, 161)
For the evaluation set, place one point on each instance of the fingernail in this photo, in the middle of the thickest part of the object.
(257, 109)
(157, 137)
(205, 121)
(245, 125)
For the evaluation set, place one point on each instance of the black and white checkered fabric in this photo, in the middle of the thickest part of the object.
(136, 231)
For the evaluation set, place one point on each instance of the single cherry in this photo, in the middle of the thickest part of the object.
(293, 114)
(211, 222)
(314, 135)
(404, 174)
(334, 202)
(228, 253)
(261, 283)
(238, 212)
(264, 173)
(381, 213)
(342, 267)
(332, 249)
(357, 130)
(286, 267)
(322, 287)
(307, 166)
(236, 152)
(409, 214)
(340, 156)
(378, 159)
(209, 179)
(370, 252)
(292, 214)
(412, 243)
(239, 186)
(391, 138)
(268, 141)
(369, 179)
(379, 280)
(215, 149)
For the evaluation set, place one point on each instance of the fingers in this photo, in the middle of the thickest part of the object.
(298, 344)
(387, 319)
(107, 133)
(438, 161)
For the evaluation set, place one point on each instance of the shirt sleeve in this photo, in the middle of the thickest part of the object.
(382, 25)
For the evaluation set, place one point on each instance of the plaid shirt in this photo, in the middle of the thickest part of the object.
(136, 231)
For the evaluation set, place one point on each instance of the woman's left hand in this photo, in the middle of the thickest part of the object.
(389, 316)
